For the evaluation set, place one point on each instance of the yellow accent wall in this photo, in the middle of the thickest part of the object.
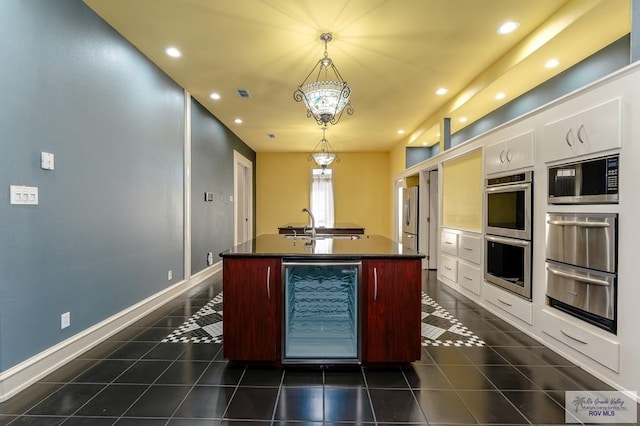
(462, 192)
(362, 190)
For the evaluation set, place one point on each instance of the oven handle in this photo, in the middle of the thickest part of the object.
(508, 241)
(577, 277)
(579, 223)
(509, 187)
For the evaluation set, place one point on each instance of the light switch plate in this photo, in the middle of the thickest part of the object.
(24, 194)
(46, 160)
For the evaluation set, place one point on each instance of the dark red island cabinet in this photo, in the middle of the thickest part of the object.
(251, 294)
(391, 310)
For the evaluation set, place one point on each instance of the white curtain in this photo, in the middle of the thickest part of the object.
(322, 197)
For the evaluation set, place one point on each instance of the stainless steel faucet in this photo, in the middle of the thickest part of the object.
(313, 222)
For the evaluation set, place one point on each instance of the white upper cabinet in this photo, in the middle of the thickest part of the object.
(511, 154)
(593, 130)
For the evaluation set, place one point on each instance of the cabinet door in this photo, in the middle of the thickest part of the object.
(593, 130)
(495, 158)
(511, 154)
(392, 310)
(519, 151)
(251, 293)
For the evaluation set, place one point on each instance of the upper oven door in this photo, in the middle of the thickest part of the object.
(508, 210)
(583, 239)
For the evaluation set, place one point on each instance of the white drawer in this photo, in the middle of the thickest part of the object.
(449, 268)
(470, 248)
(508, 302)
(469, 277)
(599, 348)
(449, 242)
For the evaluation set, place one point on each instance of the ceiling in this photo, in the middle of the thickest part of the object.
(394, 54)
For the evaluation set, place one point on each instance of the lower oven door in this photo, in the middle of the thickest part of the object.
(508, 264)
(585, 289)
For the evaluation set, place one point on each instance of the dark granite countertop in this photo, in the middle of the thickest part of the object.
(336, 247)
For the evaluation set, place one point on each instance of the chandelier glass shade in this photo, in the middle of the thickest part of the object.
(322, 154)
(327, 97)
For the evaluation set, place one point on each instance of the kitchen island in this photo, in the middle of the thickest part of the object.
(328, 300)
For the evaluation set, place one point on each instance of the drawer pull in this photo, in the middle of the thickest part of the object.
(448, 242)
(573, 338)
(578, 277)
(448, 269)
(467, 278)
(580, 223)
(504, 303)
(468, 248)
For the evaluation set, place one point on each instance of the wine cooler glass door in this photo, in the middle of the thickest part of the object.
(321, 321)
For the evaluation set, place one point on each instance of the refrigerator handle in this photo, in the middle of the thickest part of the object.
(407, 214)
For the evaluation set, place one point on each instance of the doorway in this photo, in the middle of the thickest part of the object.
(243, 197)
(429, 222)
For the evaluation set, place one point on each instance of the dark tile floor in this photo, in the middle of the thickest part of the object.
(133, 379)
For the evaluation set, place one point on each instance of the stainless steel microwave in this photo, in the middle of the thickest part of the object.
(593, 181)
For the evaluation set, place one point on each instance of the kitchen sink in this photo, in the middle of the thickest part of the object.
(325, 237)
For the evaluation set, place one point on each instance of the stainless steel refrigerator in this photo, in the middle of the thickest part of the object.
(410, 217)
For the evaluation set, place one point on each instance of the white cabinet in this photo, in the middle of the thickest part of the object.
(470, 247)
(461, 255)
(511, 154)
(599, 348)
(469, 277)
(593, 130)
(509, 302)
(449, 242)
(449, 268)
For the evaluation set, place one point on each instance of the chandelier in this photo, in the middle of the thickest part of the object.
(322, 154)
(328, 96)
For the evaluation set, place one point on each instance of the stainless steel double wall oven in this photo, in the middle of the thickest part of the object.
(508, 231)
(582, 245)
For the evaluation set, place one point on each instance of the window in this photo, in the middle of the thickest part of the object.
(322, 196)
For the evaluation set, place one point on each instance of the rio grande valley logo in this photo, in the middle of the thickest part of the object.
(600, 407)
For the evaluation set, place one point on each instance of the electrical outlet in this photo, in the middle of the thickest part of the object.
(210, 258)
(65, 320)
(169, 275)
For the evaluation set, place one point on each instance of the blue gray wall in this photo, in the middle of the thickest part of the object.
(109, 224)
(212, 146)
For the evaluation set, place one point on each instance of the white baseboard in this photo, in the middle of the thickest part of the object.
(21, 376)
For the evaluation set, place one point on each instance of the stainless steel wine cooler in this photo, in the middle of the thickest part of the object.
(321, 321)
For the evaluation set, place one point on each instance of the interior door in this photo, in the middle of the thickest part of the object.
(243, 196)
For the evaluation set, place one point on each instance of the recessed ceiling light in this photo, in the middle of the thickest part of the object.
(441, 91)
(508, 27)
(500, 96)
(463, 119)
(215, 96)
(401, 132)
(173, 52)
(552, 63)
(238, 121)
(425, 143)
(438, 134)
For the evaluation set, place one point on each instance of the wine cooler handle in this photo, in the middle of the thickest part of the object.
(375, 283)
(268, 279)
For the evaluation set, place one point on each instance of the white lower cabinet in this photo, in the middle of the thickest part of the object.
(469, 277)
(461, 256)
(514, 305)
(449, 268)
(599, 348)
